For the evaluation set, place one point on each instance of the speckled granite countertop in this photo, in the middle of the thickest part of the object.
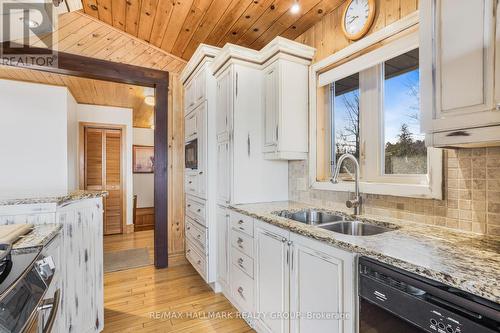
(58, 200)
(40, 236)
(467, 261)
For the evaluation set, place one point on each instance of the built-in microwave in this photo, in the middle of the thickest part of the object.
(191, 154)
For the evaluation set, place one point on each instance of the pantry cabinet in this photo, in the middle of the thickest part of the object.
(460, 86)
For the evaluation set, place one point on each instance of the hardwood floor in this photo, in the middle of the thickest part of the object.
(142, 299)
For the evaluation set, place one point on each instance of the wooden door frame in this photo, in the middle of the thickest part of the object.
(75, 65)
(123, 160)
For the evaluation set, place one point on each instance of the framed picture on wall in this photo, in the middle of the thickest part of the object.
(143, 159)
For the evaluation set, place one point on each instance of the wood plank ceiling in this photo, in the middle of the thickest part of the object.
(179, 26)
(88, 91)
(81, 34)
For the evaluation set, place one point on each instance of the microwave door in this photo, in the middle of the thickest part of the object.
(191, 154)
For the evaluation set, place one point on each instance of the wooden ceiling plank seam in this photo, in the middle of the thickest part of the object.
(90, 8)
(146, 59)
(246, 20)
(105, 52)
(132, 13)
(310, 18)
(92, 49)
(105, 11)
(179, 15)
(270, 15)
(130, 47)
(144, 43)
(160, 23)
(62, 32)
(198, 11)
(207, 24)
(73, 38)
(231, 15)
(119, 8)
(89, 40)
(146, 18)
(287, 19)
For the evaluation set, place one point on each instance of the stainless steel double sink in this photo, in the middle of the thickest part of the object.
(334, 222)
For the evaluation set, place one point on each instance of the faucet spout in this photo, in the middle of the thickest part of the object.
(357, 201)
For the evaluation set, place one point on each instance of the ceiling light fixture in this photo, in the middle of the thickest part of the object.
(295, 8)
(149, 100)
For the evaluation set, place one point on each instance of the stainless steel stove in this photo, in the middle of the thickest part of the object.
(24, 281)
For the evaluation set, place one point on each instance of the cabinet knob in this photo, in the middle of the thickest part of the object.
(198, 210)
(189, 205)
(190, 182)
(240, 291)
(200, 173)
(240, 222)
(189, 250)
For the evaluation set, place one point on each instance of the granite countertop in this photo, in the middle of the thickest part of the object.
(58, 200)
(40, 236)
(464, 260)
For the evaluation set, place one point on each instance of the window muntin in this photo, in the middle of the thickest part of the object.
(404, 146)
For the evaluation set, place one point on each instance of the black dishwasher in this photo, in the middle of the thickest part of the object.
(392, 300)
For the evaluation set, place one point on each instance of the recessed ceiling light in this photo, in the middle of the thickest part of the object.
(295, 8)
(149, 100)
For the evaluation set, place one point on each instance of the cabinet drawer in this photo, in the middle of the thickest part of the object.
(242, 242)
(242, 289)
(191, 183)
(242, 261)
(242, 223)
(196, 209)
(197, 234)
(197, 260)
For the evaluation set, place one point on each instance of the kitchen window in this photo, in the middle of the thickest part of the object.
(370, 107)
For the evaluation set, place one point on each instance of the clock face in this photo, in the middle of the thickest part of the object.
(358, 17)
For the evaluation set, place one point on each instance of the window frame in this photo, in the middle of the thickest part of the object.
(396, 39)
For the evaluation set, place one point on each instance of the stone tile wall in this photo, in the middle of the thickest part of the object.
(471, 194)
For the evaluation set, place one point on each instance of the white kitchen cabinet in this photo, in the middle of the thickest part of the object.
(223, 262)
(322, 280)
(224, 172)
(285, 104)
(457, 68)
(191, 126)
(200, 183)
(272, 276)
(224, 105)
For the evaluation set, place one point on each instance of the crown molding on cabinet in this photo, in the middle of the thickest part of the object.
(203, 51)
(278, 48)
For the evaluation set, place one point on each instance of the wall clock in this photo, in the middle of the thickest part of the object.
(358, 18)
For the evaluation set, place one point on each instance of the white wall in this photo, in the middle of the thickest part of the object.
(33, 140)
(144, 182)
(114, 116)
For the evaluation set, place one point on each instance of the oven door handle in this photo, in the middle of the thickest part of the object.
(53, 304)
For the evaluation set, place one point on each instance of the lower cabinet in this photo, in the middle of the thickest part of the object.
(272, 276)
(300, 284)
(322, 280)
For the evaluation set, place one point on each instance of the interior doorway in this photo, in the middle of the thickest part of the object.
(103, 170)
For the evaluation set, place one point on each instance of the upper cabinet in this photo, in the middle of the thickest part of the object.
(460, 84)
(195, 90)
(285, 104)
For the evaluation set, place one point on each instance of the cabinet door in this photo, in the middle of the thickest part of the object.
(457, 65)
(223, 173)
(271, 107)
(321, 282)
(200, 86)
(201, 130)
(222, 246)
(272, 275)
(224, 105)
(191, 126)
(189, 95)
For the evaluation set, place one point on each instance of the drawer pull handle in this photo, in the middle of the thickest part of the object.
(199, 236)
(240, 263)
(188, 228)
(190, 182)
(240, 222)
(198, 210)
(188, 251)
(198, 262)
(240, 291)
(200, 173)
(241, 228)
(189, 205)
(458, 133)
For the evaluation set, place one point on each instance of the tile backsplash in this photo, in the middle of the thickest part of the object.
(471, 196)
